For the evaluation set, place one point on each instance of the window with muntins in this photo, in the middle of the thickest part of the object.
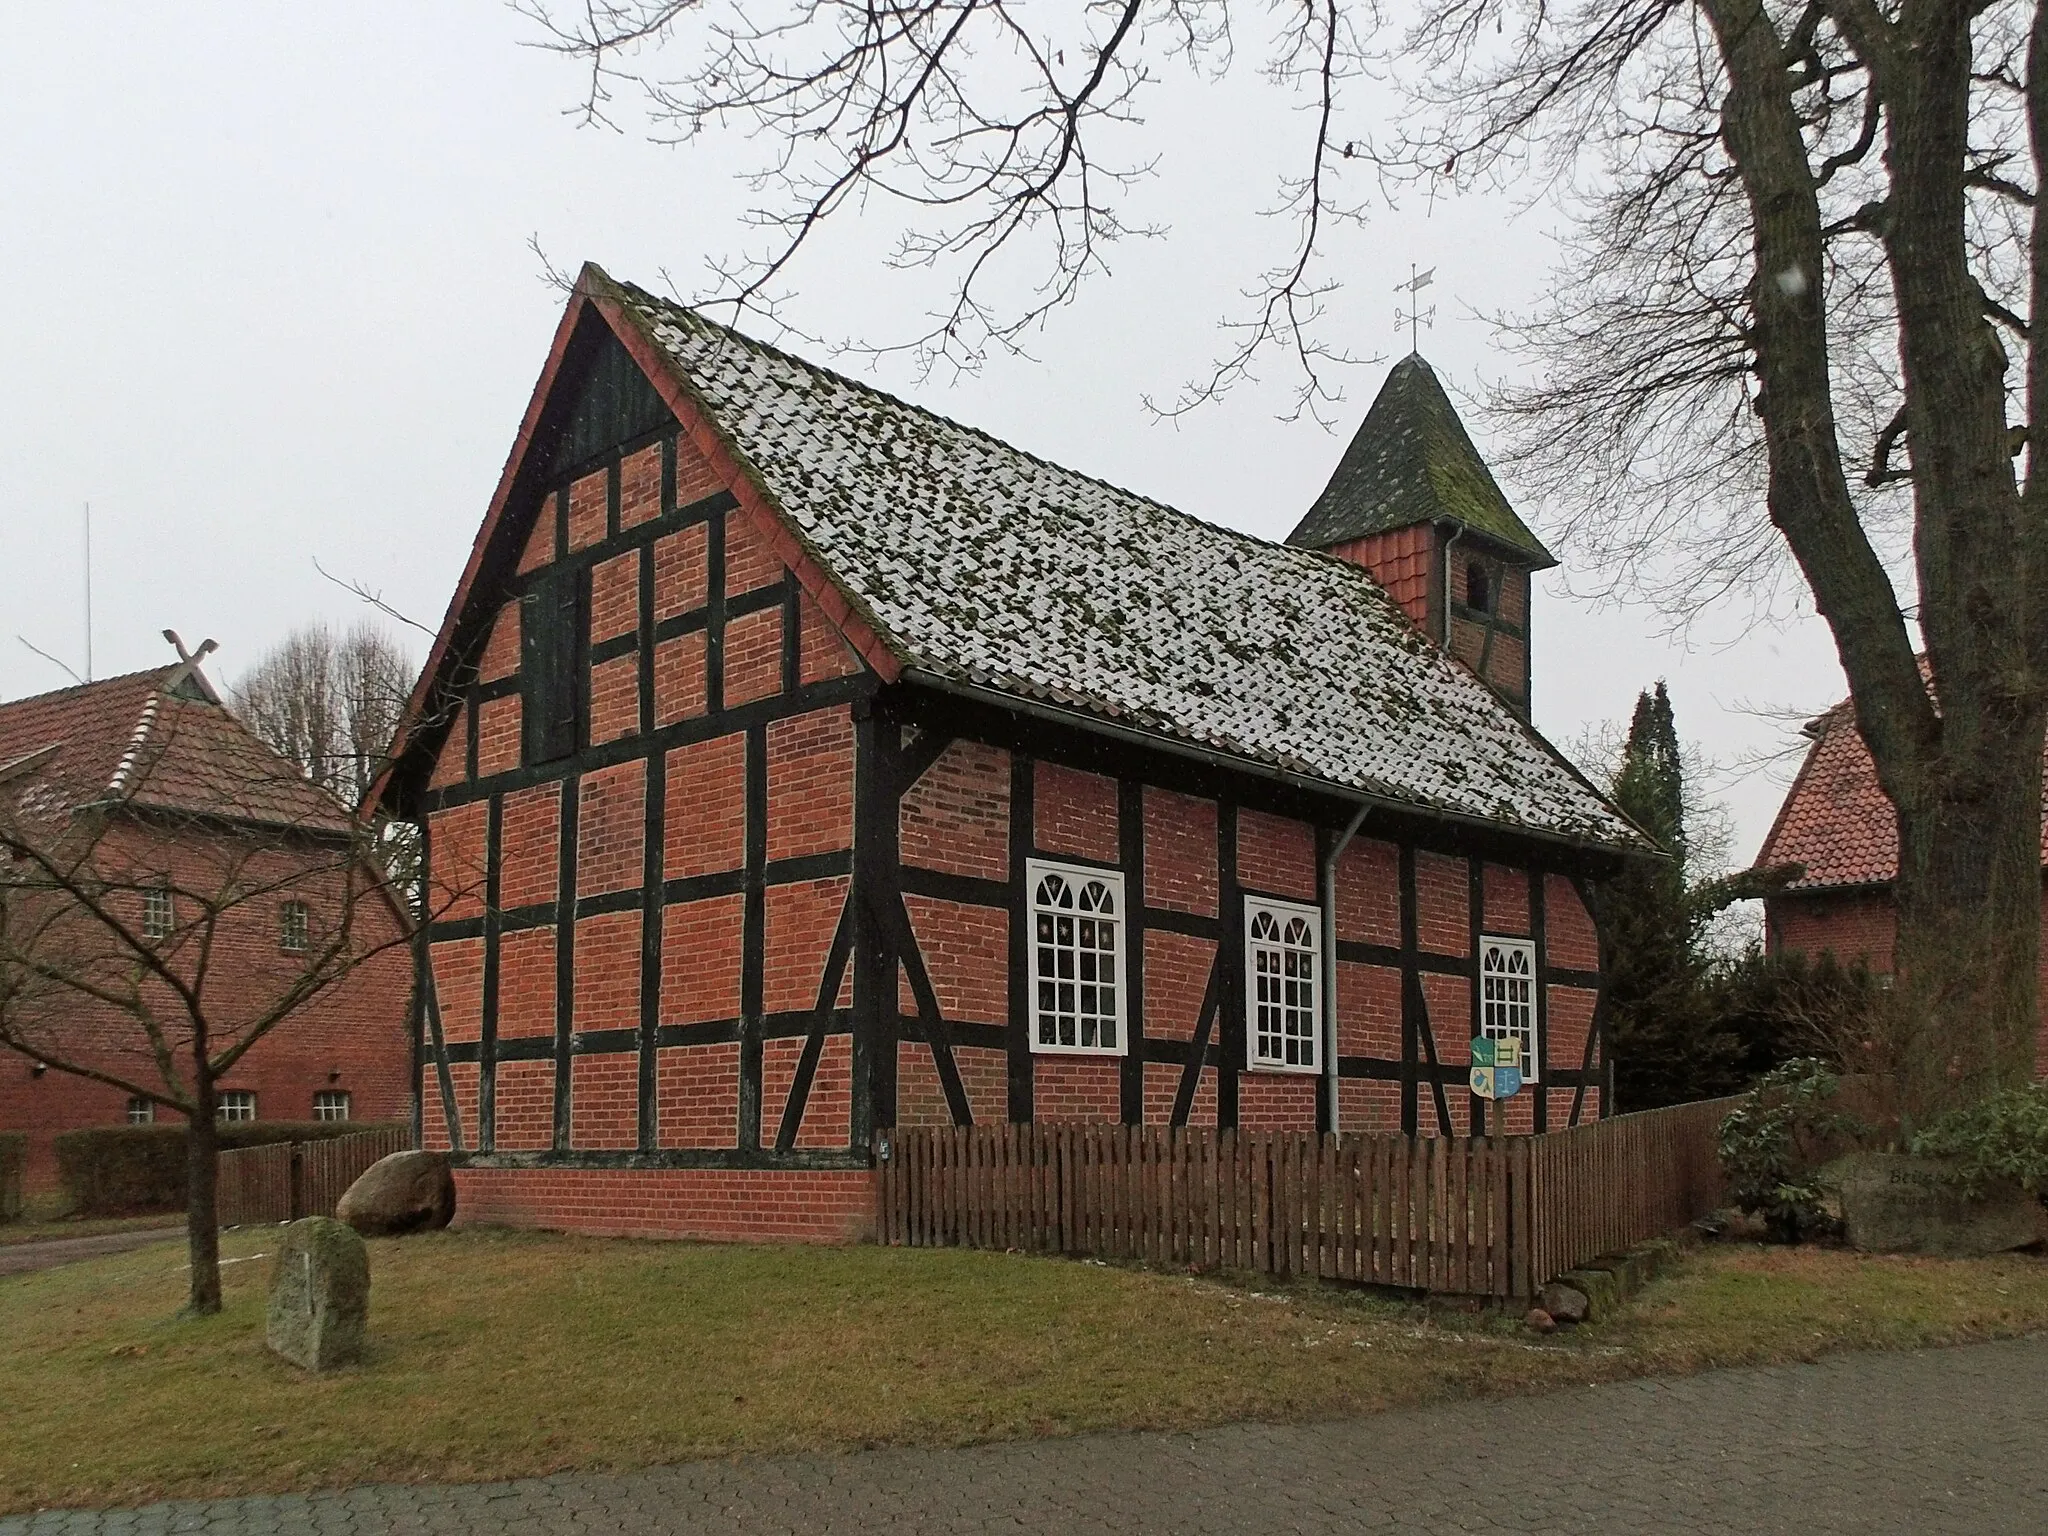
(236, 1104)
(141, 1112)
(1076, 959)
(330, 1104)
(158, 914)
(294, 928)
(1282, 948)
(1507, 995)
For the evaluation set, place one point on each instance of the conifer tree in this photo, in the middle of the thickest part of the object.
(1669, 1040)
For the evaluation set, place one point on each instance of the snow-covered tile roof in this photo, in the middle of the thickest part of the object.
(977, 562)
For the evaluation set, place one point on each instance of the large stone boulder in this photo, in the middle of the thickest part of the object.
(405, 1192)
(319, 1295)
(1892, 1203)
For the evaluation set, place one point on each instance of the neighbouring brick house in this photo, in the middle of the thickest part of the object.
(821, 765)
(1837, 823)
(194, 801)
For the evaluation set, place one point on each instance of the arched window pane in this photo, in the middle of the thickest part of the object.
(1283, 985)
(1075, 979)
(1507, 997)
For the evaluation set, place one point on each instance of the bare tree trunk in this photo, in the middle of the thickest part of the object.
(1969, 915)
(202, 1206)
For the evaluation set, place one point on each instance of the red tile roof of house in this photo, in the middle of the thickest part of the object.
(1835, 819)
(158, 741)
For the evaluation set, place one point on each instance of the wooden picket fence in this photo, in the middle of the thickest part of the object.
(289, 1179)
(1488, 1216)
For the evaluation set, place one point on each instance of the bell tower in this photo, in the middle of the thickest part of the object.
(1413, 503)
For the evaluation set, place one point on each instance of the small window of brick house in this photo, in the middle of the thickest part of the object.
(141, 1112)
(1076, 973)
(159, 914)
(236, 1104)
(1282, 947)
(294, 928)
(1478, 588)
(1507, 995)
(330, 1104)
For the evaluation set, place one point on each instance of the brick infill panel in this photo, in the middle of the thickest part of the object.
(799, 1205)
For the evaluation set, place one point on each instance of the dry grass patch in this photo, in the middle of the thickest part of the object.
(500, 1354)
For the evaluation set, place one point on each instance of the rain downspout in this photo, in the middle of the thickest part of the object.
(1329, 894)
(1450, 544)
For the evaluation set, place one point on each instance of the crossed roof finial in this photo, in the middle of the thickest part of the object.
(187, 669)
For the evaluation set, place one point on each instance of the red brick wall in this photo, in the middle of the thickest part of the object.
(611, 828)
(1276, 857)
(586, 511)
(1443, 904)
(529, 846)
(682, 581)
(1180, 852)
(1277, 1101)
(356, 1036)
(753, 656)
(1075, 813)
(711, 1204)
(956, 817)
(697, 1095)
(702, 981)
(640, 487)
(1068, 1089)
(810, 783)
(1853, 925)
(1568, 931)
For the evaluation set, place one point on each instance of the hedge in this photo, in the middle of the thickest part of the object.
(13, 1160)
(115, 1170)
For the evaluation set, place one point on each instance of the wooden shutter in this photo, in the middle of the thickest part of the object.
(550, 671)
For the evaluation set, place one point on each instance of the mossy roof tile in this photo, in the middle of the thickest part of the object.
(1412, 462)
(980, 563)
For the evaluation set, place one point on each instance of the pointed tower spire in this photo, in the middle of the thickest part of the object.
(1414, 503)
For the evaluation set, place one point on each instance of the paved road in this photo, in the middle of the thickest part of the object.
(21, 1258)
(1936, 1441)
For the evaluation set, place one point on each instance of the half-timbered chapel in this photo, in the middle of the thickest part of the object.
(797, 764)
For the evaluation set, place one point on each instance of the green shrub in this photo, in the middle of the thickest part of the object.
(118, 1170)
(2002, 1137)
(1774, 1142)
(13, 1166)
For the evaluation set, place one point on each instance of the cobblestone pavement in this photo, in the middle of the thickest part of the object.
(21, 1258)
(1931, 1441)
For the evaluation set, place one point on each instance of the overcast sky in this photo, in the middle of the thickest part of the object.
(270, 301)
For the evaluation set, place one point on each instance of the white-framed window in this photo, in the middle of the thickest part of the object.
(1282, 960)
(1507, 995)
(330, 1104)
(236, 1104)
(1077, 978)
(141, 1112)
(294, 927)
(159, 915)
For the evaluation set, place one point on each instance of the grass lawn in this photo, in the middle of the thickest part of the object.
(500, 1354)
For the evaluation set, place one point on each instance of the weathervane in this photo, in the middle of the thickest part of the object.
(1414, 316)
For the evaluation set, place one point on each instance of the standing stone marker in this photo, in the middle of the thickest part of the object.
(1897, 1204)
(320, 1295)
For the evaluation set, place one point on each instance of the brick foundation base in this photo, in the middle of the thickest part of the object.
(714, 1204)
